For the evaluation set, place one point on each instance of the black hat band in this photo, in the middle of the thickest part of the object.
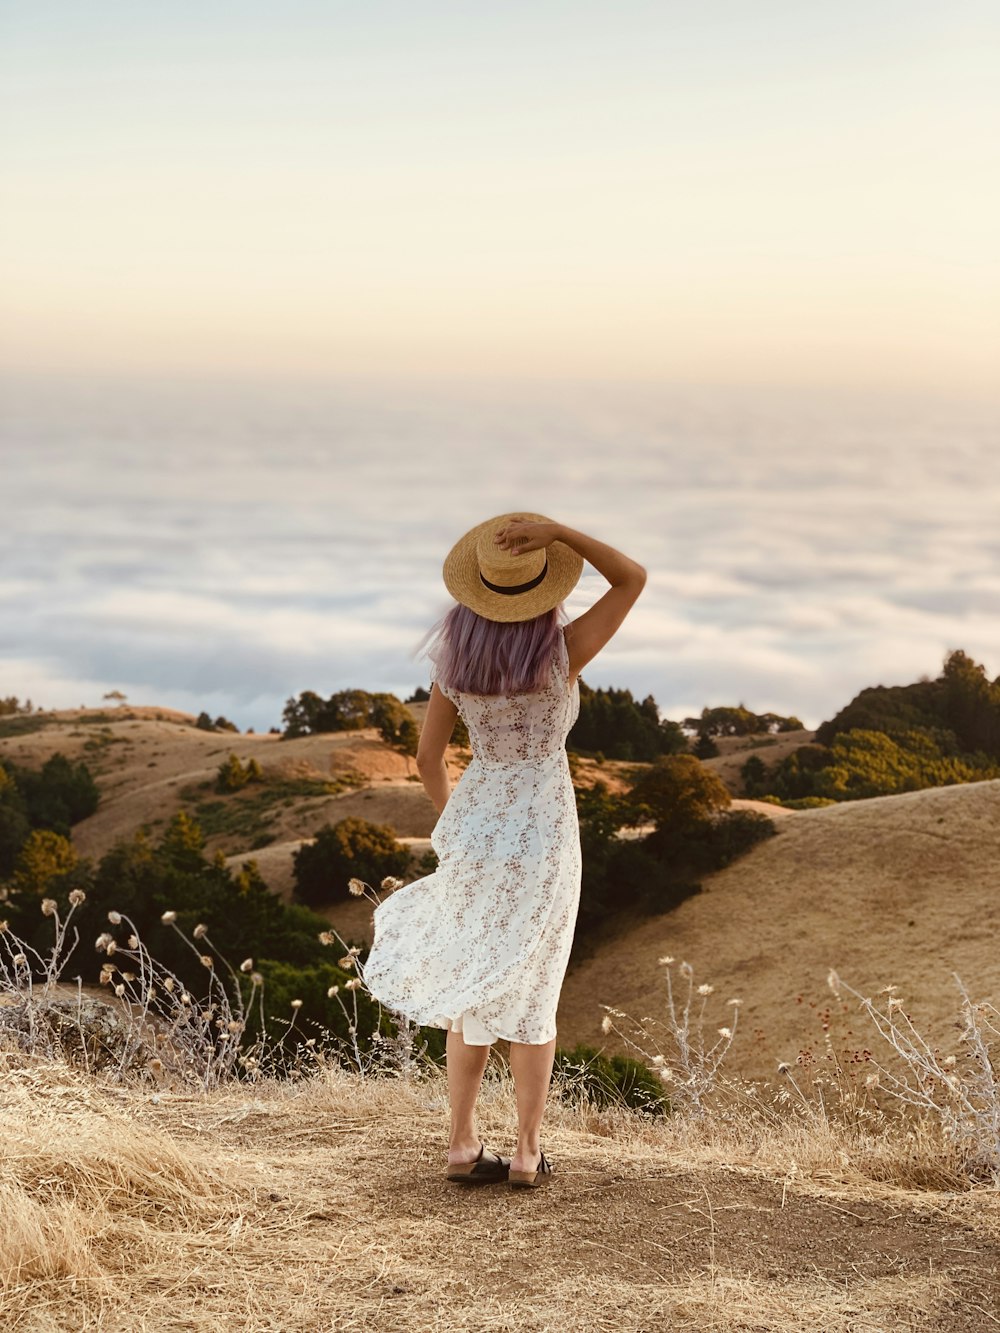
(509, 590)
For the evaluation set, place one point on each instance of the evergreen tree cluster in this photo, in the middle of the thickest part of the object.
(309, 714)
(53, 798)
(613, 724)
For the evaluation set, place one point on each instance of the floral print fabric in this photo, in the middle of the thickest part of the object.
(482, 944)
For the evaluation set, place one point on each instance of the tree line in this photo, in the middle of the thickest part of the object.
(897, 738)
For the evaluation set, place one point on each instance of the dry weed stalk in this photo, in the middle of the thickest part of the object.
(400, 1050)
(158, 1028)
(676, 1047)
(961, 1091)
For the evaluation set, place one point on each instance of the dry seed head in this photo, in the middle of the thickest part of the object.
(115, 918)
(185, 997)
(725, 1032)
(246, 965)
(19, 960)
(102, 942)
(334, 990)
(353, 984)
(206, 960)
(949, 1062)
(119, 991)
(296, 1004)
(347, 962)
(666, 960)
(168, 985)
(77, 896)
(391, 883)
(784, 1067)
(168, 918)
(734, 1001)
(687, 970)
(705, 988)
(4, 927)
(356, 887)
(133, 941)
(128, 976)
(325, 937)
(200, 931)
(606, 1023)
(235, 1027)
(256, 978)
(49, 906)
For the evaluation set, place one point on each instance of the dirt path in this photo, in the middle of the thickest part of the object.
(617, 1242)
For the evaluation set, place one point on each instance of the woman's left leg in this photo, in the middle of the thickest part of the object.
(466, 1066)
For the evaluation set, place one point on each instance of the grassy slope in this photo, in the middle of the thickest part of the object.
(902, 889)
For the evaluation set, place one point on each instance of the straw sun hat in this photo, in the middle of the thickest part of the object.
(503, 584)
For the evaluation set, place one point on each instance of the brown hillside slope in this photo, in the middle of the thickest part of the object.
(902, 889)
(149, 766)
(734, 751)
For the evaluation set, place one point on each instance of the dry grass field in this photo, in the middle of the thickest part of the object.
(321, 1207)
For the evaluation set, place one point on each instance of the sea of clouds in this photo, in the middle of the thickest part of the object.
(222, 546)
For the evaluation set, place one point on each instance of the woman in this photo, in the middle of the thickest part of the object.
(480, 946)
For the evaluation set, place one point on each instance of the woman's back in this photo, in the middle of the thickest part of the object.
(517, 729)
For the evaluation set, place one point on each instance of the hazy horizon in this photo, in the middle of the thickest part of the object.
(223, 548)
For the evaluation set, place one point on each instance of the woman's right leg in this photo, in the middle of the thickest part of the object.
(532, 1069)
(466, 1066)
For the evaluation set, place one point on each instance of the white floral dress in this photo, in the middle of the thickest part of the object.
(482, 944)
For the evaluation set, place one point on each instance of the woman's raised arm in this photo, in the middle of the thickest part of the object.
(587, 635)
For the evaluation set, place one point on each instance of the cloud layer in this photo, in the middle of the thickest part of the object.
(224, 547)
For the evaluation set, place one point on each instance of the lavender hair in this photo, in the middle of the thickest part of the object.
(479, 656)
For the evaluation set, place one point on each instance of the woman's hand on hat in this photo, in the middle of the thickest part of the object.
(526, 535)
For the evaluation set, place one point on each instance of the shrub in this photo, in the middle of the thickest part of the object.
(352, 848)
(232, 775)
(733, 834)
(615, 1080)
(676, 794)
(44, 857)
(705, 747)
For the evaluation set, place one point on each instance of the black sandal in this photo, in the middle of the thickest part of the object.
(482, 1171)
(530, 1180)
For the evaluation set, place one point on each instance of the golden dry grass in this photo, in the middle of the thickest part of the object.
(322, 1206)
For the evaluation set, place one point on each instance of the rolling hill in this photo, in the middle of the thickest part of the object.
(897, 890)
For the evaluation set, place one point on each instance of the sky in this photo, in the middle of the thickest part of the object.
(778, 192)
(293, 294)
